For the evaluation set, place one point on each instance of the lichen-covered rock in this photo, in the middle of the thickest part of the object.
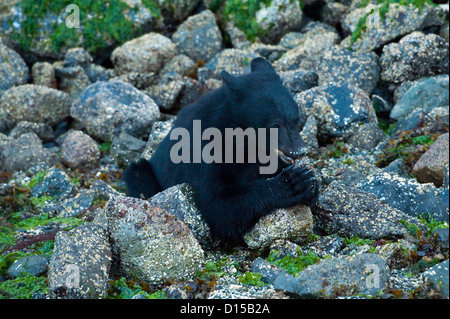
(426, 93)
(294, 224)
(347, 275)
(166, 95)
(33, 103)
(231, 60)
(356, 68)
(350, 212)
(415, 56)
(55, 184)
(367, 136)
(431, 165)
(159, 131)
(72, 80)
(80, 263)
(13, 69)
(297, 81)
(126, 149)
(179, 201)
(178, 9)
(379, 31)
(278, 18)
(77, 57)
(43, 130)
(145, 54)
(24, 152)
(306, 47)
(43, 74)
(79, 150)
(108, 108)
(338, 108)
(35, 265)
(199, 36)
(151, 244)
(439, 276)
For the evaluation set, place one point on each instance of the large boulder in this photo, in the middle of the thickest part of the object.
(108, 108)
(13, 69)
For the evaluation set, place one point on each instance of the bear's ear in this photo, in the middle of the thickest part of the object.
(231, 81)
(260, 64)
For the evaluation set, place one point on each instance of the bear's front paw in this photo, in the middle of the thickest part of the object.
(298, 185)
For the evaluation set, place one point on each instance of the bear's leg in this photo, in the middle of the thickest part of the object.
(140, 180)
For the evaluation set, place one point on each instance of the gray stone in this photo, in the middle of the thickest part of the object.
(145, 54)
(338, 108)
(399, 20)
(307, 47)
(367, 136)
(297, 81)
(294, 224)
(199, 36)
(43, 130)
(166, 95)
(438, 275)
(77, 57)
(72, 80)
(356, 68)
(126, 149)
(71, 207)
(177, 68)
(350, 212)
(426, 93)
(43, 74)
(416, 56)
(159, 131)
(80, 263)
(33, 103)
(13, 69)
(79, 150)
(26, 151)
(364, 273)
(151, 244)
(178, 9)
(35, 265)
(56, 184)
(269, 271)
(309, 134)
(278, 18)
(109, 108)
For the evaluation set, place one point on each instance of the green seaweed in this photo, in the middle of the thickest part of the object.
(252, 279)
(293, 265)
(23, 287)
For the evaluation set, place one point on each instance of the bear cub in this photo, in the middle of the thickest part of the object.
(233, 196)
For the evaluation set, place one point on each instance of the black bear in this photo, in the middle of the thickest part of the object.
(233, 195)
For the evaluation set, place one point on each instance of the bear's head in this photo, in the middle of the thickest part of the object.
(259, 100)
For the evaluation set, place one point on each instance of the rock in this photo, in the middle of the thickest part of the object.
(327, 246)
(167, 94)
(145, 54)
(177, 68)
(350, 212)
(416, 56)
(333, 12)
(43, 130)
(379, 31)
(431, 165)
(79, 150)
(159, 131)
(109, 108)
(439, 116)
(294, 224)
(179, 201)
(426, 93)
(347, 275)
(438, 275)
(341, 65)
(199, 36)
(151, 244)
(412, 121)
(237, 37)
(289, 284)
(72, 80)
(178, 9)
(24, 152)
(338, 108)
(406, 194)
(126, 149)
(397, 254)
(55, 184)
(43, 74)
(34, 265)
(77, 57)
(445, 183)
(307, 47)
(97, 73)
(269, 271)
(297, 81)
(278, 18)
(231, 60)
(80, 263)
(268, 51)
(367, 136)
(309, 134)
(33, 103)
(71, 207)
(13, 69)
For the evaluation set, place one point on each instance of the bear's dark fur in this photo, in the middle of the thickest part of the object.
(233, 197)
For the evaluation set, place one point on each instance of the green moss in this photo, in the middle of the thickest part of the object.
(123, 288)
(252, 279)
(23, 287)
(293, 265)
(99, 20)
